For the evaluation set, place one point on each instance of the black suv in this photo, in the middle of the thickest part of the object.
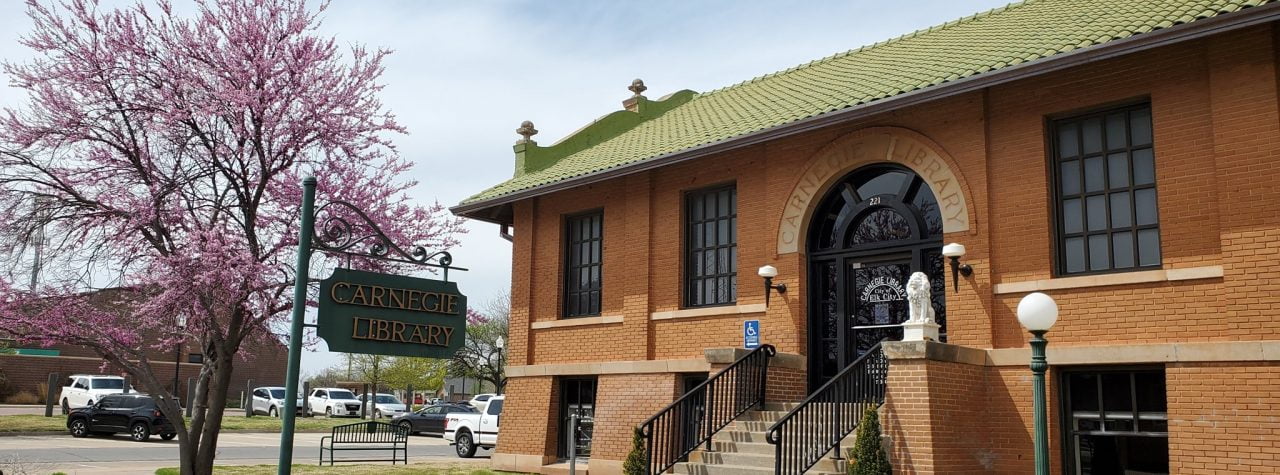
(133, 413)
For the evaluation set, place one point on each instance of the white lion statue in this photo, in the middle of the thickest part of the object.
(919, 299)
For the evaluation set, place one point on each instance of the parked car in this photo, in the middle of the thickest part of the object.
(134, 413)
(83, 390)
(466, 431)
(335, 402)
(269, 400)
(479, 401)
(430, 419)
(385, 405)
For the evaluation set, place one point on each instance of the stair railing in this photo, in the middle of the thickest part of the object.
(674, 432)
(816, 426)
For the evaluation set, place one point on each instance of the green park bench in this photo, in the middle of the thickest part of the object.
(367, 436)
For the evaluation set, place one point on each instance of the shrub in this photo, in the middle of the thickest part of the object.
(635, 464)
(868, 456)
(42, 391)
(22, 397)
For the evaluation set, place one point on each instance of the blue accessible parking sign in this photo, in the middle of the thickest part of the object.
(751, 334)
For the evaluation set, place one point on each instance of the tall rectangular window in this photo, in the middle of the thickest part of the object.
(1105, 185)
(584, 240)
(1116, 421)
(711, 247)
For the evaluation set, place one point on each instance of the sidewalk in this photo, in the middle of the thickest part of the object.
(149, 468)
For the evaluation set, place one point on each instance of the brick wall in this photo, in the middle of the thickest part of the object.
(1224, 417)
(529, 417)
(622, 403)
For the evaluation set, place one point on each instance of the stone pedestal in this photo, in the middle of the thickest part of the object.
(920, 331)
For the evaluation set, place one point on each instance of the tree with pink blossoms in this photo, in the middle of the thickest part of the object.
(162, 155)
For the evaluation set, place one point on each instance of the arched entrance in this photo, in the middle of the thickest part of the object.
(871, 230)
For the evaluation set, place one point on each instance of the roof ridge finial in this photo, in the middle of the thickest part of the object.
(638, 87)
(527, 132)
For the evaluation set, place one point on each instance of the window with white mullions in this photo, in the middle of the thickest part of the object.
(584, 239)
(1117, 421)
(711, 246)
(1105, 184)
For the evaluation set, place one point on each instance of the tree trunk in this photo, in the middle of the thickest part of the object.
(219, 383)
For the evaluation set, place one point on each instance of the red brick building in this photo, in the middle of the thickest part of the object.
(262, 364)
(1116, 155)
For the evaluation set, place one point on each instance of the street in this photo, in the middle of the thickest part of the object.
(48, 453)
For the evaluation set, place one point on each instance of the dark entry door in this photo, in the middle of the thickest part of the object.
(873, 230)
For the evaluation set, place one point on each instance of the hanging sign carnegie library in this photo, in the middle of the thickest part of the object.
(385, 314)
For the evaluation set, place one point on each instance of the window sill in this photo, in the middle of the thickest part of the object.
(577, 322)
(1103, 280)
(723, 310)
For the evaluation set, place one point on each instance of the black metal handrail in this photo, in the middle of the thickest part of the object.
(805, 434)
(691, 421)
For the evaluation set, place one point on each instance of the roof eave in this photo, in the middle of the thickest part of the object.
(1133, 44)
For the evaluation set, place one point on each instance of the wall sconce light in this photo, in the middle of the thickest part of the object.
(769, 272)
(955, 251)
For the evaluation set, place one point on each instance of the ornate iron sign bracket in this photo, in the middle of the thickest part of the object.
(342, 228)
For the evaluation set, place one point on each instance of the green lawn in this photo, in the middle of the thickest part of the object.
(433, 469)
(58, 423)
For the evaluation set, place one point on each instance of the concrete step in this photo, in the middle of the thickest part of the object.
(742, 447)
(762, 426)
(765, 416)
(780, 406)
(704, 469)
(733, 435)
(826, 464)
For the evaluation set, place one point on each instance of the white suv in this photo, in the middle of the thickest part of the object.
(82, 390)
(335, 402)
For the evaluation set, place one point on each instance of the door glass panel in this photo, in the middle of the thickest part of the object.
(879, 297)
(883, 184)
(881, 225)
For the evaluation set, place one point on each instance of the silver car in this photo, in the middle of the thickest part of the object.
(384, 405)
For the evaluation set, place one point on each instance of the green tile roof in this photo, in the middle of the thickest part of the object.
(970, 46)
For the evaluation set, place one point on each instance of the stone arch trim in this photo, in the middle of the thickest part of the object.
(869, 146)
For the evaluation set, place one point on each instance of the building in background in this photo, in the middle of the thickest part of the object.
(1118, 155)
(26, 368)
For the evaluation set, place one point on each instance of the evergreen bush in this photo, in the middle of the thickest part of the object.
(868, 456)
(635, 464)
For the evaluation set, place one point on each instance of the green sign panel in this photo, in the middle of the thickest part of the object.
(385, 314)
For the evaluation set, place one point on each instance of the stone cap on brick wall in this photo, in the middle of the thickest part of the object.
(729, 355)
(932, 350)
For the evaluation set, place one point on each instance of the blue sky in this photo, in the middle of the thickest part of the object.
(465, 74)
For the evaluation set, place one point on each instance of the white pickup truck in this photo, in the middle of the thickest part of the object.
(466, 431)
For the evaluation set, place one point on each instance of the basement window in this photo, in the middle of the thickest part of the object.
(1117, 421)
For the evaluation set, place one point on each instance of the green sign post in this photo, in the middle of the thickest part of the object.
(295, 326)
(383, 314)
(367, 312)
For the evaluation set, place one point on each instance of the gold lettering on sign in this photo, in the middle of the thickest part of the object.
(865, 147)
(375, 329)
(392, 298)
